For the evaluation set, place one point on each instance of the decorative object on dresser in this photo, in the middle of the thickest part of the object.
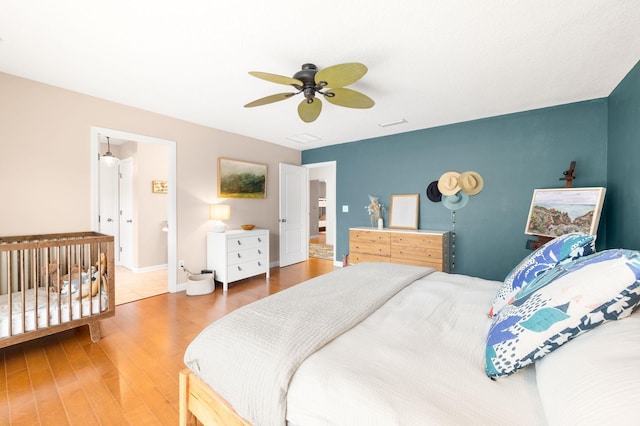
(218, 213)
(375, 210)
(404, 211)
(410, 247)
(238, 254)
(247, 227)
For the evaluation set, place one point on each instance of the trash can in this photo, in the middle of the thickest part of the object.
(200, 284)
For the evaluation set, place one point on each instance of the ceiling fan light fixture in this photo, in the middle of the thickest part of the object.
(310, 81)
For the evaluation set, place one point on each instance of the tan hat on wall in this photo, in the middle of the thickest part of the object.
(471, 182)
(448, 184)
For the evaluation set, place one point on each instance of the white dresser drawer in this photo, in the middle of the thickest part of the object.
(247, 269)
(241, 243)
(245, 255)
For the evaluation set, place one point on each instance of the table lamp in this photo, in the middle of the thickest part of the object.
(218, 213)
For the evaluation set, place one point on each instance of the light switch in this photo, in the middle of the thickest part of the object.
(345, 209)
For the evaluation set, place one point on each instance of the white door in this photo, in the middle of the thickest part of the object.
(126, 213)
(109, 201)
(294, 214)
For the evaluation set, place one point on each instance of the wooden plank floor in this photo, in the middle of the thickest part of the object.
(131, 375)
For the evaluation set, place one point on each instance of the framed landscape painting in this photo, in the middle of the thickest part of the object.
(560, 211)
(241, 179)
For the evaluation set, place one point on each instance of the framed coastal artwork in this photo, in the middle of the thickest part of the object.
(560, 211)
(241, 179)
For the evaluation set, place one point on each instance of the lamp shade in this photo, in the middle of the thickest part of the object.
(219, 212)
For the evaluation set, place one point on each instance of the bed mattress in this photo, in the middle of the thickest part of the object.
(58, 310)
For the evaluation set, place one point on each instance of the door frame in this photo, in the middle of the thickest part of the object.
(331, 202)
(172, 266)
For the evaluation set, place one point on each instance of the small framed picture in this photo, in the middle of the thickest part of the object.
(159, 186)
(403, 211)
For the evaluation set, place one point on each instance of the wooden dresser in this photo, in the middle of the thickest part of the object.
(411, 247)
(238, 254)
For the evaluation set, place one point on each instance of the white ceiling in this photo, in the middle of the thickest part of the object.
(431, 62)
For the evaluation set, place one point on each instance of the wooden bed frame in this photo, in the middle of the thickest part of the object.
(199, 400)
(26, 265)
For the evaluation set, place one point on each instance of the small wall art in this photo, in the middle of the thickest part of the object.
(159, 187)
(241, 179)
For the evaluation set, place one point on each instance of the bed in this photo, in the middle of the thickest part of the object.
(54, 282)
(380, 343)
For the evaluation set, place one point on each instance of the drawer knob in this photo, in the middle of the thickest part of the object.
(259, 264)
(239, 243)
(259, 240)
(239, 256)
(239, 268)
(259, 251)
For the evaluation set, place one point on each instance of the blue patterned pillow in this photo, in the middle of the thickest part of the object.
(557, 307)
(564, 248)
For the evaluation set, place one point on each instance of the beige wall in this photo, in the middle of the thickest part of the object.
(45, 169)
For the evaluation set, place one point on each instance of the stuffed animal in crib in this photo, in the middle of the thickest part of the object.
(101, 265)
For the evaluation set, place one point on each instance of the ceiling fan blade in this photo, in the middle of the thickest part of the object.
(308, 112)
(270, 99)
(275, 78)
(342, 74)
(350, 98)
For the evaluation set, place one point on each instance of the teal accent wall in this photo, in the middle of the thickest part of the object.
(514, 153)
(623, 192)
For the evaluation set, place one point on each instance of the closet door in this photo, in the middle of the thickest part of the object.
(109, 201)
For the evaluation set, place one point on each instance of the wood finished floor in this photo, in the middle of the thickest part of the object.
(132, 286)
(130, 377)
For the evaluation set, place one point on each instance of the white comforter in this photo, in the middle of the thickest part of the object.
(418, 360)
(249, 355)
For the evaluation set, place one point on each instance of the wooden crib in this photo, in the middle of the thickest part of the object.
(55, 282)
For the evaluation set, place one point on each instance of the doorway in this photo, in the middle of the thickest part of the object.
(168, 224)
(322, 210)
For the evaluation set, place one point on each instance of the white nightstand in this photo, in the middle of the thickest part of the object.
(238, 254)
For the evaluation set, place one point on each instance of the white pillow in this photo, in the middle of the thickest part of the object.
(596, 379)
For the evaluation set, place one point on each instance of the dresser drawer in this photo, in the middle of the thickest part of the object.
(434, 241)
(246, 269)
(245, 255)
(435, 265)
(377, 249)
(363, 236)
(417, 253)
(364, 257)
(245, 242)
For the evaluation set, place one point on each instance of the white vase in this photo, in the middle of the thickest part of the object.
(380, 224)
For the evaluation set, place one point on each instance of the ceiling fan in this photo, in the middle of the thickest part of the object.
(310, 81)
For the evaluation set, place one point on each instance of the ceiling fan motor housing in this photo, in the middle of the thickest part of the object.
(307, 77)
